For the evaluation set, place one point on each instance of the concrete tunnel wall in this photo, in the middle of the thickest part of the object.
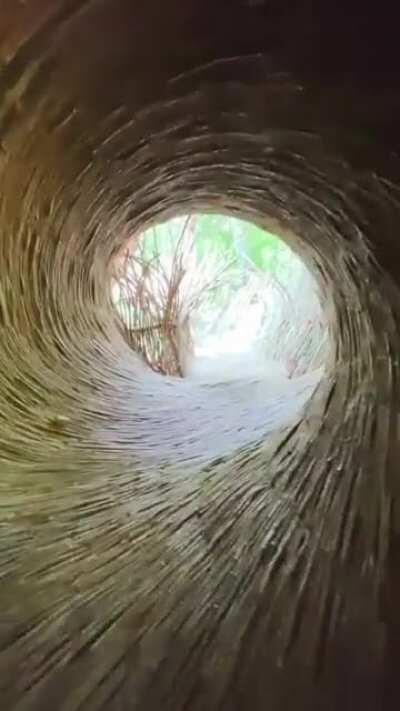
(266, 578)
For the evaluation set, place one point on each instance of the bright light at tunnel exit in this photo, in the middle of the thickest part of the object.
(221, 284)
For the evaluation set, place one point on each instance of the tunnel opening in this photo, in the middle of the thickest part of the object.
(208, 293)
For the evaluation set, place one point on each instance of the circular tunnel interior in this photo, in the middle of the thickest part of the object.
(165, 543)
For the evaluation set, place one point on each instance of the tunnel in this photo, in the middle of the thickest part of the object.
(143, 565)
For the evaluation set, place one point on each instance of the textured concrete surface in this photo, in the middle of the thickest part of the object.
(154, 554)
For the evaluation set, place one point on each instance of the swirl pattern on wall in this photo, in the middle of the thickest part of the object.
(162, 547)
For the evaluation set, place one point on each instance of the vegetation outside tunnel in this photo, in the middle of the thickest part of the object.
(197, 282)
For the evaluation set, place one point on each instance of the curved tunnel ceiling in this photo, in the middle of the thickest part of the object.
(139, 567)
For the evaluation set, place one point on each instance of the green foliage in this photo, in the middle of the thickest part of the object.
(240, 241)
(213, 269)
